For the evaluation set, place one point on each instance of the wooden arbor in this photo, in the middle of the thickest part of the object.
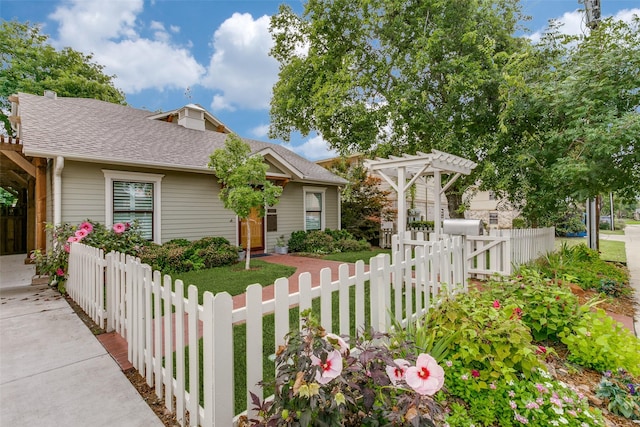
(402, 172)
(24, 177)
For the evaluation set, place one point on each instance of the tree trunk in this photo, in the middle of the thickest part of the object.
(248, 256)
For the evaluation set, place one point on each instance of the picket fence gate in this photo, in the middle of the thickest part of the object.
(496, 253)
(160, 320)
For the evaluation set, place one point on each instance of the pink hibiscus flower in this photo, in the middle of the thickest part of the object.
(119, 228)
(73, 239)
(67, 248)
(397, 373)
(427, 377)
(60, 272)
(336, 340)
(86, 226)
(81, 233)
(330, 369)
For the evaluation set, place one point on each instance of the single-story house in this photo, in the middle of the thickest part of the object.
(85, 158)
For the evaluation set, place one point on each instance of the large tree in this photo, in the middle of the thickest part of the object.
(394, 76)
(243, 177)
(571, 120)
(30, 64)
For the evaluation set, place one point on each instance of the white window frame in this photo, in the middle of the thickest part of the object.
(155, 179)
(323, 208)
(497, 218)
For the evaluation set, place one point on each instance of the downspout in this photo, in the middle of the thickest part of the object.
(57, 190)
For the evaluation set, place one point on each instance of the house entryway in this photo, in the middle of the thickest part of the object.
(257, 231)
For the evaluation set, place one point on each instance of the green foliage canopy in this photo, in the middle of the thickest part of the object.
(30, 64)
(571, 119)
(394, 76)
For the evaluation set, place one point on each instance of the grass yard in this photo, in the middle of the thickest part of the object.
(610, 250)
(234, 279)
(355, 256)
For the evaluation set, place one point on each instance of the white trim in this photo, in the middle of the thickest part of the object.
(323, 191)
(156, 179)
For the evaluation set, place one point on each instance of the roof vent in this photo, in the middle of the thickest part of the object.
(192, 117)
(50, 94)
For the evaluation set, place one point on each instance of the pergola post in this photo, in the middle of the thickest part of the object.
(437, 188)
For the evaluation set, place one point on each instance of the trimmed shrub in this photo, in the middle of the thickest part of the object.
(216, 256)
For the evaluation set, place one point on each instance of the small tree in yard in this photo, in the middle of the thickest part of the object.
(244, 181)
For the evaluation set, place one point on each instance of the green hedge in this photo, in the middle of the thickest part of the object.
(181, 255)
(326, 242)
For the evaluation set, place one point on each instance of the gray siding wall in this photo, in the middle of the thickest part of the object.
(190, 207)
(290, 211)
(82, 192)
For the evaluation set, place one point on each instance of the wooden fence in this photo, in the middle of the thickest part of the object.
(164, 323)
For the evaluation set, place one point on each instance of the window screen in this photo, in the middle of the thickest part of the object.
(134, 201)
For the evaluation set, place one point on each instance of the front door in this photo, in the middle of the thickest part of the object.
(257, 231)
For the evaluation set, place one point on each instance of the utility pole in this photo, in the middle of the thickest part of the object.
(592, 16)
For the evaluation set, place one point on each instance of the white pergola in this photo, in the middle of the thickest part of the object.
(402, 172)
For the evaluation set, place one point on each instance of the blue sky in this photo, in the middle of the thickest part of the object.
(217, 48)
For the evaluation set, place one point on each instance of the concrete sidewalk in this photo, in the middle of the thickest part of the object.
(632, 246)
(53, 371)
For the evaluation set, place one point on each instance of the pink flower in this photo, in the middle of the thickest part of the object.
(60, 272)
(330, 369)
(87, 226)
(119, 228)
(475, 373)
(81, 233)
(396, 373)
(427, 377)
(73, 239)
(492, 386)
(67, 248)
(496, 304)
(336, 340)
(541, 350)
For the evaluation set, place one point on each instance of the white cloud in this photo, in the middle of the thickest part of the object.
(240, 66)
(260, 131)
(219, 103)
(110, 31)
(573, 23)
(313, 149)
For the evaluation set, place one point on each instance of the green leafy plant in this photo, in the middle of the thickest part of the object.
(321, 381)
(545, 306)
(599, 342)
(538, 400)
(326, 242)
(181, 255)
(621, 392)
(490, 338)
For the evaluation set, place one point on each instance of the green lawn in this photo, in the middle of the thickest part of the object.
(610, 250)
(355, 256)
(631, 222)
(616, 232)
(234, 279)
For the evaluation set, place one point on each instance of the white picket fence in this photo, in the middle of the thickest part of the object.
(497, 253)
(160, 322)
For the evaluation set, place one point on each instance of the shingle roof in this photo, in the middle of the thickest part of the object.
(93, 130)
